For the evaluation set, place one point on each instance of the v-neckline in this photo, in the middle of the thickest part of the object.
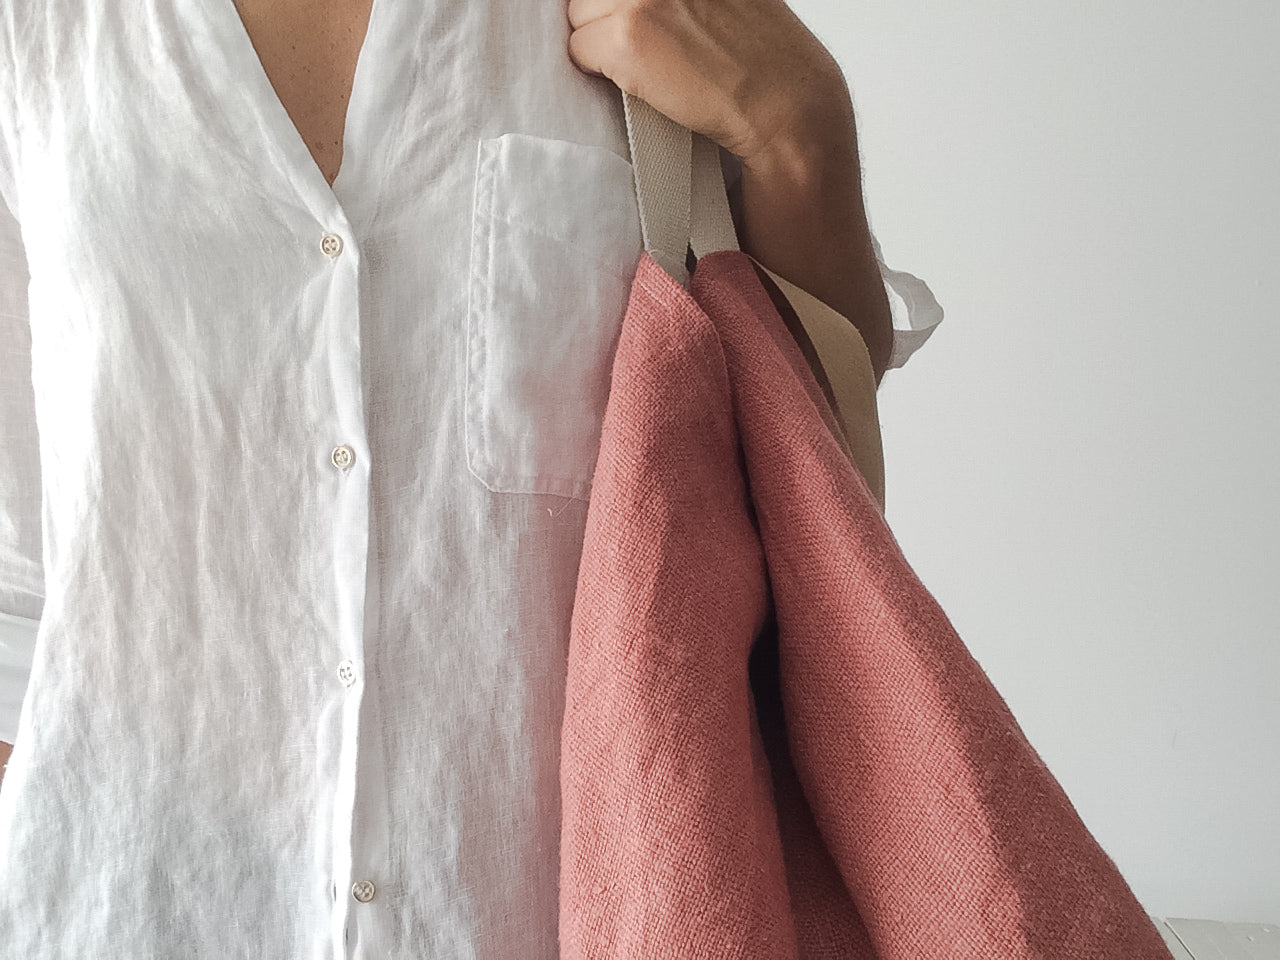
(279, 126)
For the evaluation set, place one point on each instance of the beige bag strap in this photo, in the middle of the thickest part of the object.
(684, 205)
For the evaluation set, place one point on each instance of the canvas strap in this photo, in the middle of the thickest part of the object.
(680, 189)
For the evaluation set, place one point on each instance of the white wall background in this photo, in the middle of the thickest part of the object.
(1081, 464)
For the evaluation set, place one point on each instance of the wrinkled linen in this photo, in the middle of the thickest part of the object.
(775, 745)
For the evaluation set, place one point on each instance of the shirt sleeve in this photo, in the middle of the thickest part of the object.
(21, 568)
(915, 310)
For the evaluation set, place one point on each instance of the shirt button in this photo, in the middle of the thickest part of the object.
(342, 457)
(347, 672)
(362, 890)
(331, 244)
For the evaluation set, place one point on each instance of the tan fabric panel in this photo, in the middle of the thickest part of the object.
(843, 368)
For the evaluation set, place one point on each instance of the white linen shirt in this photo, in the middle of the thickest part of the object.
(295, 479)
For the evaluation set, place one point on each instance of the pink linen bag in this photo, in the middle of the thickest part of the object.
(775, 745)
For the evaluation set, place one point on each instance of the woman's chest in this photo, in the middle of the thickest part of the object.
(309, 51)
(485, 204)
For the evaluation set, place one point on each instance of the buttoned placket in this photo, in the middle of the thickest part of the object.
(350, 865)
(347, 461)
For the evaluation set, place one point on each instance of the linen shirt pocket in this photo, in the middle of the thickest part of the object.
(555, 243)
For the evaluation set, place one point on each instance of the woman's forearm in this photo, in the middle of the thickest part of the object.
(804, 219)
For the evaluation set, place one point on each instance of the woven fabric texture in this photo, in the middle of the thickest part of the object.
(775, 744)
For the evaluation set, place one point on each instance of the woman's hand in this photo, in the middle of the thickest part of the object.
(746, 74)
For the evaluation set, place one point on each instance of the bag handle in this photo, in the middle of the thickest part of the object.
(680, 189)
(684, 205)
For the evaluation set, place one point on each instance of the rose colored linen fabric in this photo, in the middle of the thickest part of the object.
(850, 786)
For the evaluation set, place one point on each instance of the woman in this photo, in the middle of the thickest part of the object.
(313, 304)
